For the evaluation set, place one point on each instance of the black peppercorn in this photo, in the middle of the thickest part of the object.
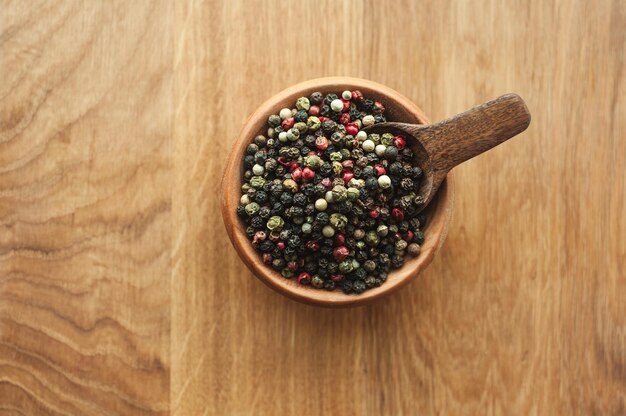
(316, 98)
(419, 237)
(359, 286)
(397, 261)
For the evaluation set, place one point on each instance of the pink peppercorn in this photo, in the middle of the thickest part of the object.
(259, 236)
(321, 143)
(280, 245)
(348, 164)
(344, 119)
(326, 182)
(340, 253)
(340, 239)
(304, 278)
(288, 123)
(336, 278)
(347, 176)
(408, 236)
(397, 214)
(323, 119)
(375, 213)
(267, 258)
(308, 173)
(314, 110)
(379, 169)
(379, 106)
(292, 265)
(346, 105)
(312, 245)
(357, 95)
(399, 142)
(296, 174)
(352, 129)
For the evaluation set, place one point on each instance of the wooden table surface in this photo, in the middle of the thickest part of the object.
(120, 294)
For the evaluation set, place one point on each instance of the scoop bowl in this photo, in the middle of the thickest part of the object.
(438, 213)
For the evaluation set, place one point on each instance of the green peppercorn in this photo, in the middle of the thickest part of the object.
(313, 123)
(306, 228)
(340, 193)
(386, 139)
(338, 221)
(252, 208)
(369, 265)
(401, 245)
(313, 162)
(257, 182)
(301, 127)
(353, 194)
(328, 231)
(371, 238)
(382, 230)
(303, 103)
(346, 266)
(286, 273)
(275, 223)
(317, 281)
(336, 157)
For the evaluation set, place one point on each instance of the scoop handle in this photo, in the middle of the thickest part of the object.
(468, 134)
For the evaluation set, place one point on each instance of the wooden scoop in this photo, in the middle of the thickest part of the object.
(440, 147)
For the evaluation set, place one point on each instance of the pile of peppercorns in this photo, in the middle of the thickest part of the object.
(325, 202)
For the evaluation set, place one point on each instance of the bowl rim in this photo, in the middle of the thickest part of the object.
(435, 231)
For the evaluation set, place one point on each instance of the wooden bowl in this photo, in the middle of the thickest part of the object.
(398, 108)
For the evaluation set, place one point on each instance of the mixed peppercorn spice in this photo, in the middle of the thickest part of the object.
(325, 202)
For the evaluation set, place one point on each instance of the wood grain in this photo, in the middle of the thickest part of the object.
(119, 295)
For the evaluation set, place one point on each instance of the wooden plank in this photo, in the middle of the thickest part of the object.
(85, 207)
(120, 295)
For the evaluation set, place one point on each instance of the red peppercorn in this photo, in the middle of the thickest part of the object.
(312, 245)
(314, 110)
(288, 123)
(304, 278)
(408, 236)
(267, 258)
(347, 176)
(352, 129)
(284, 162)
(399, 142)
(340, 239)
(336, 278)
(344, 119)
(340, 253)
(280, 245)
(357, 95)
(323, 119)
(346, 105)
(397, 237)
(308, 173)
(292, 265)
(397, 214)
(326, 182)
(296, 174)
(312, 152)
(259, 236)
(348, 164)
(379, 106)
(375, 213)
(321, 143)
(379, 169)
